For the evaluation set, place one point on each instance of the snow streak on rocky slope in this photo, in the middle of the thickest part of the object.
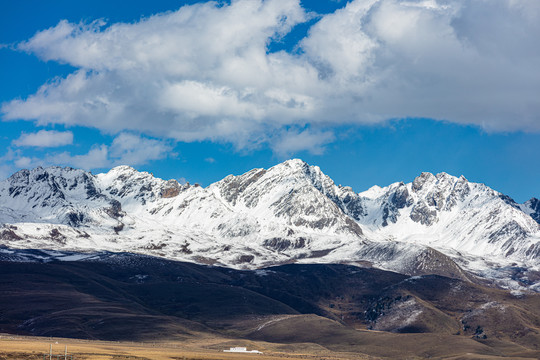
(454, 214)
(291, 212)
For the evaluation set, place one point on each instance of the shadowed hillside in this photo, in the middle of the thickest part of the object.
(340, 307)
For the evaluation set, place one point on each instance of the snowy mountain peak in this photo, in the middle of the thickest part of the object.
(290, 212)
(123, 168)
(293, 192)
(423, 179)
(50, 186)
(123, 173)
(445, 211)
(40, 174)
(444, 175)
(131, 186)
(294, 169)
(294, 163)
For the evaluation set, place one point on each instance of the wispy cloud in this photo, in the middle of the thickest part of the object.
(125, 149)
(293, 141)
(204, 73)
(45, 138)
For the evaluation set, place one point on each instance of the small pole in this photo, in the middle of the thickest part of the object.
(50, 352)
(65, 353)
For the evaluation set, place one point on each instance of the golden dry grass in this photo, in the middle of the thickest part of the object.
(33, 348)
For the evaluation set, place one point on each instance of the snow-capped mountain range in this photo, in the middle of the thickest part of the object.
(291, 212)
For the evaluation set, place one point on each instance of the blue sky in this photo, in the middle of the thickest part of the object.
(372, 91)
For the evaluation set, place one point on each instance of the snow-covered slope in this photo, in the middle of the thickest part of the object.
(451, 213)
(261, 217)
(290, 212)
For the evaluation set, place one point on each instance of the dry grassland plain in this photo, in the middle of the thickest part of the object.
(34, 348)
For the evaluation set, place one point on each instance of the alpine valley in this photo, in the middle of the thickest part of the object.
(265, 255)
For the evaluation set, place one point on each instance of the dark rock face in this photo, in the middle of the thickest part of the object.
(507, 199)
(75, 218)
(388, 215)
(9, 234)
(401, 198)
(421, 180)
(436, 199)
(398, 199)
(534, 205)
(352, 206)
(234, 186)
(243, 259)
(422, 214)
(512, 229)
(91, 191)
(459, 192)
(115, 210)
(118, 228)
(19, 183)
(57, 236)
(353, 227)
(280, 244)
(534, 251)
(171, 189)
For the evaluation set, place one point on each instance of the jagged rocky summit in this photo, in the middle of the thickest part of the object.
(292, 212)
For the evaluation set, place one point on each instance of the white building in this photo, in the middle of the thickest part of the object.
(242, 350)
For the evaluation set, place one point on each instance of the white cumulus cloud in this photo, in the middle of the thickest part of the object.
(136, 150)
(204, 72)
